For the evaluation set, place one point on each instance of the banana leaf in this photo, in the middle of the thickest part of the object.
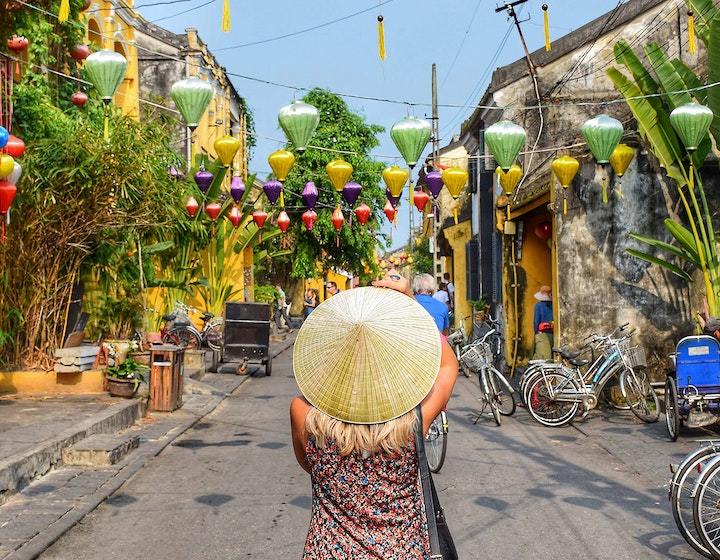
(663, 263)
(626, 56)
(713, 95)
(692, 82)
(686, 239)
(690, 257)
(670, 81)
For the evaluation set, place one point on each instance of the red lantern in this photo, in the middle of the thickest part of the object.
(420, 200)
(389, 210)
(192, 206)
(235, 216)
(337, 219)
(7, 195)
(213, 210)
(17, 44)
(79, 99)
(363, 213)
(543, 230)
(80, 52)
(259, 217)
(14, 147)
(283, 221)
(309, 217)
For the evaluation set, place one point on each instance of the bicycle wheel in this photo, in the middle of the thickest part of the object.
(466, 370)
(503, 393)
(672, 414)
(639, 394)
(488, 394)
(213, 333)
(681, 498)
(436, 443)
(184, 337)
(542, 403)
(706, 512)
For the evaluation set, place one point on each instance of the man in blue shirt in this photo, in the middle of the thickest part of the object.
(424, 287)
(542, 323)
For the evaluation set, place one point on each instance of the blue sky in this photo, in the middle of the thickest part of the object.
(275, 50)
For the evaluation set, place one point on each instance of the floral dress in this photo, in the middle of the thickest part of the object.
(366, 507)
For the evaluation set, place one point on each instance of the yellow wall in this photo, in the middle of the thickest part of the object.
(38, 382)
(458, 235)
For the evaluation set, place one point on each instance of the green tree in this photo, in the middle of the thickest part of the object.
(695, 246)
(341, 134)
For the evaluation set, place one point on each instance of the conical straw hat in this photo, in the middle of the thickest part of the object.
(367, 355)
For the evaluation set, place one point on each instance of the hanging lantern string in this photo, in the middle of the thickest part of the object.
(546, 26)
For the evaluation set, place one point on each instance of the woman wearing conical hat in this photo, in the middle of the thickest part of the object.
(363, 360)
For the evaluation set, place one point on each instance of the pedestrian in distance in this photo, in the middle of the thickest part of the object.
(442, 295)
(332, 289)
(363, 361)
(310, 302)
(450, 289)
(281, 311)
(543, 324)
(424, 288)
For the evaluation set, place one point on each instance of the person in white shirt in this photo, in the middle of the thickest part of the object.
(442, 294)
(450, 289)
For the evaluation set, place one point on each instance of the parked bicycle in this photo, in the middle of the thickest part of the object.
(554, 392)
(179, 330)
(436, 442)
(497, 393)
(459, 341)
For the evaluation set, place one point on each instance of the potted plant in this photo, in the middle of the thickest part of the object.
(124, 378)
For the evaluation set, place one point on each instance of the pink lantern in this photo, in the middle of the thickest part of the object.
(235, 216)
(80, 52)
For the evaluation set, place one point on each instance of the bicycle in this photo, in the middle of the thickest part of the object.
(553, 392)
(497, 393)
(436, 442)
(706, 512)
(457, 341)
(180, 331)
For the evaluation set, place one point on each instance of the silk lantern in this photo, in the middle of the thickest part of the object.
(309, 217)
(272, 190)
(80, 52)
(192, 206)
(543, 230)
(420, 200)
(455, 178)
(337, 220)
(389, 211)
(509, 180)
(505, 139)
(351, 192)
(363, 213)
(281, 161)
(15, 174)
(283, 221)
(213, 210)
(235, 216)
(7, 196)
(7, 164)
(226, 147)
(434, 183)
(14, 146)
(237, 188)
(4, 137)
(410, 136)
(691, 122)
(620, 161)
(17, 44)
(339, 172)
(602, 135)
(203, 179)
(106, 70)
(79, 99)
(192, 97)
(299, 121)
(565, 168)
(259, 217)
(395, 178)
(393, 200)
(310, 195)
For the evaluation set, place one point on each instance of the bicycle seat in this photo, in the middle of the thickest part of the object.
(170, 317)
(206, 316)
(578, 363)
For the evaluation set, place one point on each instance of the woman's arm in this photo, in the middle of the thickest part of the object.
(439, 395)
(298, 412)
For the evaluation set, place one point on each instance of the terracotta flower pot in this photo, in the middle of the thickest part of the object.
(122, 387)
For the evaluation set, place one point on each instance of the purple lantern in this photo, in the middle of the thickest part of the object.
(272, 190)
(351, 192)
(393, 199)
(237, 188)
(204, 179)
(174, 173)
(434, 183)
(310, 195)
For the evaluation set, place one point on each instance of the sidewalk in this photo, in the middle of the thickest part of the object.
(39, 502)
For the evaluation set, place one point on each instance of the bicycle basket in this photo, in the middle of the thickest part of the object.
(636, 357)
(477, 356)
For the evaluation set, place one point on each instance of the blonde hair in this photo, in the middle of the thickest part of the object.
(388, 437)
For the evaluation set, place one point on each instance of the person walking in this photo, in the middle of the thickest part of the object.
(424, 288)
(543, 324)
(363, 361)
(442, 295)
(450, 289)
(281, 312)
(310, 302)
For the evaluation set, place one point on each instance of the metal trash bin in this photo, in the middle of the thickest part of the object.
(247, 334)
(166, 378)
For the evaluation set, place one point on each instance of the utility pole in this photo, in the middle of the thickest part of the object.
(435, 151)
(510, 8)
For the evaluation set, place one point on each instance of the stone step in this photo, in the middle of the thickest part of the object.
(100, 450)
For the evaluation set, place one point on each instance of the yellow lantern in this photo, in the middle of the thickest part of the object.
(339, 172)
(395, 178)
(508, 181)
(455, 178)
(281, 161)
(226, 148)
(620, 160)
(565, 168)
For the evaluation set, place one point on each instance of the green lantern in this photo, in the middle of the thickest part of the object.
(192, 96)
(505, 139)
(411, 135)
(691, 122)
(602, 135)
(299, 121)
(106, 70)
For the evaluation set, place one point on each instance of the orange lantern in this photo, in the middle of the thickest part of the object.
(235, 216)
(565, 168)
(339, 172)
(338, 220)
(259, 217)
(283, 221)
(281, 161)
(395, 178)
(363, 213)
(620, 161)
(390, 212)
(192, 206)
(420, 200)
(309, 217)
(213, 210)
(455, 178)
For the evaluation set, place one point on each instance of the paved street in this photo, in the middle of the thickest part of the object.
(229, 487)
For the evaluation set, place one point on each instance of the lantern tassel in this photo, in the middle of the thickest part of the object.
(381, 38)
(604, 192)
(455, 216)
(226, 16)
(619, 190)
(691, 32)
(282, 200)
(412, 194)
(546, 20)
(564, 204)
(64, 12)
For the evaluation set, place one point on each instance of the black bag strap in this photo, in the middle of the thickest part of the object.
(427, 486)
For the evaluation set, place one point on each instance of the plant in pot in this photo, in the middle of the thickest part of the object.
(124, 378)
